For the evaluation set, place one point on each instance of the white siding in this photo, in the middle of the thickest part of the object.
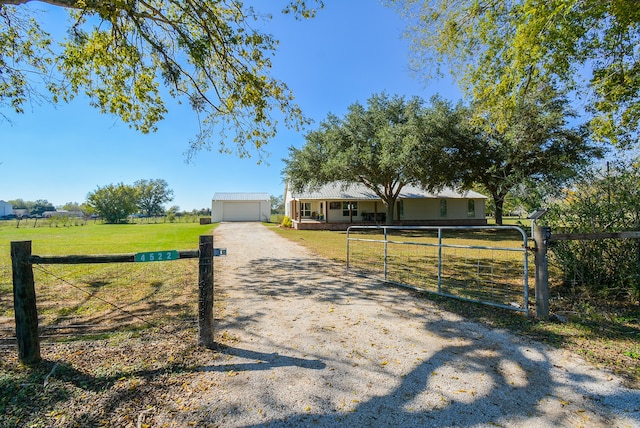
(5, 208)
(241, 211)
(240, 207)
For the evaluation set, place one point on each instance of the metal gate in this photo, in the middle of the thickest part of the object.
(487, 264)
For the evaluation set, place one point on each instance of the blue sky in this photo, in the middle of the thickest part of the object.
(350, 51)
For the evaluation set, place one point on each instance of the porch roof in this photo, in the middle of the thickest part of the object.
(342, 191)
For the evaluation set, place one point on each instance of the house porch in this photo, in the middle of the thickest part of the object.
(311, 224)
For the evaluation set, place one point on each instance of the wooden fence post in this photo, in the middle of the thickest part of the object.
(24, 303)
(541, 236)
(205, 297)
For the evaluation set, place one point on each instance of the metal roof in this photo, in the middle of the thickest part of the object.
(241, 196)
(341, 191)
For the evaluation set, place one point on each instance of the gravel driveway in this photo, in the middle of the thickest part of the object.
(306, 344)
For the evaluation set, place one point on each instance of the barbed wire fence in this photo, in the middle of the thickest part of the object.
(98, 299)
(98, 295)
(73, 221)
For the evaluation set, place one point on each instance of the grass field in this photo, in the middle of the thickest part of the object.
(106, 297)
(97, 238)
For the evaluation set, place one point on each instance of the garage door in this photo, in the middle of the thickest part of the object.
(241, 211)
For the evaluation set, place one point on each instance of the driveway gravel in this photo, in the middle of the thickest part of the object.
(303, 343)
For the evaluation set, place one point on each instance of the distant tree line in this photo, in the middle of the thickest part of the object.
(115, 203)
(33, 208)
(277, 204)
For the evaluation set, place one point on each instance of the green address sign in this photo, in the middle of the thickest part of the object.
(157, 256)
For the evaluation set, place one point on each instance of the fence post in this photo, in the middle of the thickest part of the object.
(205, 292)
(24, 303)
(541, 236)
(386, 252)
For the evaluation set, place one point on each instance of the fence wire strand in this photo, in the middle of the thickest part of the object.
(491, 273)
(94, 299)
(115, 306)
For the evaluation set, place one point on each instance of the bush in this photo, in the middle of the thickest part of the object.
(606, 268)
(286, 222)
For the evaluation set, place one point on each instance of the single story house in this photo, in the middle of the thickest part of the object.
(5, 208)
(21, 212)
(235, 206)
(336, 207)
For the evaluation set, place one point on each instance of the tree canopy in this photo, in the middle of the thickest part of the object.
(384, 146)
(501, 50)
(535, 144)
(114, 203)
(121, 53)
(152, 195)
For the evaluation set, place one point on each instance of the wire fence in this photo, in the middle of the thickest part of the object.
(75, 301)
(597, 268)
(71, 221)
(484, 264)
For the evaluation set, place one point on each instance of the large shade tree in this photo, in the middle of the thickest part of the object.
(384, 146)
(500, 50)
(534, 144)
(113, 202)
(127, 57)
(152, 195)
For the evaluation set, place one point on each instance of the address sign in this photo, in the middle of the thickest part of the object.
(157, 256)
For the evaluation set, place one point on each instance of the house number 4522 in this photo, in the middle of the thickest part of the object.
(156, 256)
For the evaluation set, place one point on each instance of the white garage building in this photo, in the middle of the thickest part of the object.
(240, 207)
(5, 208)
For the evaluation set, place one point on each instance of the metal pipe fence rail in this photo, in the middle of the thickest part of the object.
(486, 264)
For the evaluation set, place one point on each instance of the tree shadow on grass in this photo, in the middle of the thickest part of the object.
(30, 395)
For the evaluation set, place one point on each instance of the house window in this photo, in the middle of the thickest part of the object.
(335, 205)
(349, 206)
(443, 207)
(305, 209)
(471, 208)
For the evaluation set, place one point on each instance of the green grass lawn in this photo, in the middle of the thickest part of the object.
(104, 238)
(89, 293)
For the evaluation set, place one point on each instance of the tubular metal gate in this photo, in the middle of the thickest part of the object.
(487, 264)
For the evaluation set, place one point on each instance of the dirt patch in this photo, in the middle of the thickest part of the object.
(301, 343)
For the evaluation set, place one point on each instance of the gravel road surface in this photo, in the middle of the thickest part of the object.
(306, 344)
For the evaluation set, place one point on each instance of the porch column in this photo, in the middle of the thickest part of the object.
(325, 212)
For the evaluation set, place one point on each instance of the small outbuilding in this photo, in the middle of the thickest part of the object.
(236, 206)
(5, 209)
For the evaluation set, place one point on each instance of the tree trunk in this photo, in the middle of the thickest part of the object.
(391, 205)
(498, 200)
